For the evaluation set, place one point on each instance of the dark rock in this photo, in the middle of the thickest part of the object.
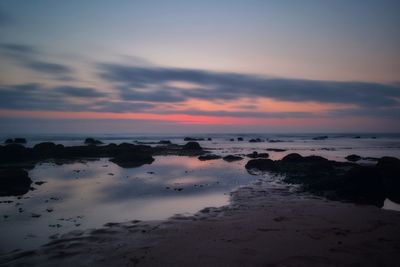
(20, 140)
(132, 159)
(209, 157)
(255, 155)
(363, 184)
(14, 152)
(276, 149)
(353, 158)
(357, 137)
(92, 141)
(232, 139)
(389, 169)
(192, 146)
(9, 141)
(17, 140)
(323, 137)
(14, 182)
(193, 139)
(275, 141)
(261, 164)
(240, 139)
(231, 158)
(165, 142)
(256, 140)
(209, 139)
(293, 157)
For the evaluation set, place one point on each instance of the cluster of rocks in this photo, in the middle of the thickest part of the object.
(338, 180)
(15, 159)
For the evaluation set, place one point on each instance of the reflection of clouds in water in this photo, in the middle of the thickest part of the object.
(130, 193)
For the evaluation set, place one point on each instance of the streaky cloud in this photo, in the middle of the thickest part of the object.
(26, 56)
(138, 82)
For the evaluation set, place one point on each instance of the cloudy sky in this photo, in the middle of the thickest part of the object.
(199, 66)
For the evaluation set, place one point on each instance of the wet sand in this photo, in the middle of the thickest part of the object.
(263, 226)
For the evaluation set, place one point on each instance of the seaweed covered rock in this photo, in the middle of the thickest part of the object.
(261, 164)
(14, 182)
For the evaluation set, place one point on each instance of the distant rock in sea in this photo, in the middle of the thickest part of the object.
(231, 158)
(17, 140)
(192, 146)
(92, 141)
(353, 158)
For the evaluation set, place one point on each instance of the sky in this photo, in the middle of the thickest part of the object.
(155, 66)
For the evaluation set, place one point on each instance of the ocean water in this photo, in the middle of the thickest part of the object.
(88, 194)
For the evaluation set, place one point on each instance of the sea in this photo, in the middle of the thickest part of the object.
(87, 194)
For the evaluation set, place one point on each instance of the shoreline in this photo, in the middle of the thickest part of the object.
(262, 226)
(265, 223)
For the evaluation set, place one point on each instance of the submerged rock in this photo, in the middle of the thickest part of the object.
(353, 157)
(240, 138)
(209, 157)
(231, 158)
(14, 182)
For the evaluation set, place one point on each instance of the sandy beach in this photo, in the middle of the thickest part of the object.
(262, 226)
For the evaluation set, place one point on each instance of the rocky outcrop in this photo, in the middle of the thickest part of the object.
(338, 180)
(14, 182)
